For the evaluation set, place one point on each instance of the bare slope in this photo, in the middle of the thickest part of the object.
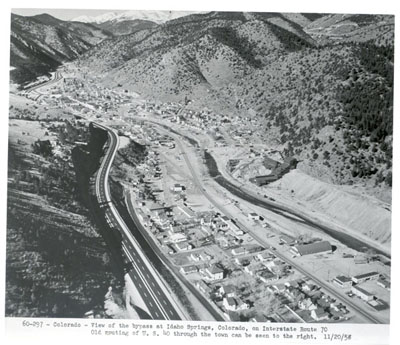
(349, 209)
(41, 43)
(326, 100)
(125, 27)
(57, 263)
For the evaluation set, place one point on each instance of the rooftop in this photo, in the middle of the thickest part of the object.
(366, 275)
(365, 292)
(343, 279)
(215, 269)
(314, 248)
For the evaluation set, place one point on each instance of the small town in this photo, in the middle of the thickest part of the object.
(224, 166)
(243, 278)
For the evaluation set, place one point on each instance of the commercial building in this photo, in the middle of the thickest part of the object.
(363, 294)
(312, 248)
(343, 281)
(287, 240)
(384, 283)
(264, 179)
(361, 278)
(253, 216)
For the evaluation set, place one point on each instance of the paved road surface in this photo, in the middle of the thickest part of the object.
(57, 77)
(142, 273)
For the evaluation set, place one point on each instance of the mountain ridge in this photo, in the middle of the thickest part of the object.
(304, 87)
(154, 16)
(41, 43)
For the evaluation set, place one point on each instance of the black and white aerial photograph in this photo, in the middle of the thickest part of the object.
(206, 166)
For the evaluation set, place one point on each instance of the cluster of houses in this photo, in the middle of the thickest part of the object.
(308, 303)
(226, 297)
(238, 127)
(303, 299)
(93, 95)
(171, 233)
(202, 228)
(267, 267)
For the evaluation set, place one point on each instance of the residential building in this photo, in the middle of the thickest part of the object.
(234, 304)
(279, 288)
(235, 229)
(176, 238)
(203, 287)
(186, 211)
(243, 261)
(229, 303)
(227, 290)
(319, 314)
(188, 269)
(307, 304)
(264, 256)
(215, 272)
(239, 251)
(267, 276)
(183, 246)
(206, 229)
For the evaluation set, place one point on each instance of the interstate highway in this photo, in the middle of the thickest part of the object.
(143, 275)
(57, 77)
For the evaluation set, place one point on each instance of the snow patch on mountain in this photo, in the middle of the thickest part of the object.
(155, 16)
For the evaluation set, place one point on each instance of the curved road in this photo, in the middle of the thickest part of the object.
(146, 280)
(57, 77)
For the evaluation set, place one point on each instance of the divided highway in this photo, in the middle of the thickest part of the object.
(57, 77)
(148, 283)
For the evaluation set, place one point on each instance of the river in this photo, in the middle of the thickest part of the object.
(342, 237)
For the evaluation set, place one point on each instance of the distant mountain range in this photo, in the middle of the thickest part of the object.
(158, 17)
(40, 43)
(322, 83)
(125, 27)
